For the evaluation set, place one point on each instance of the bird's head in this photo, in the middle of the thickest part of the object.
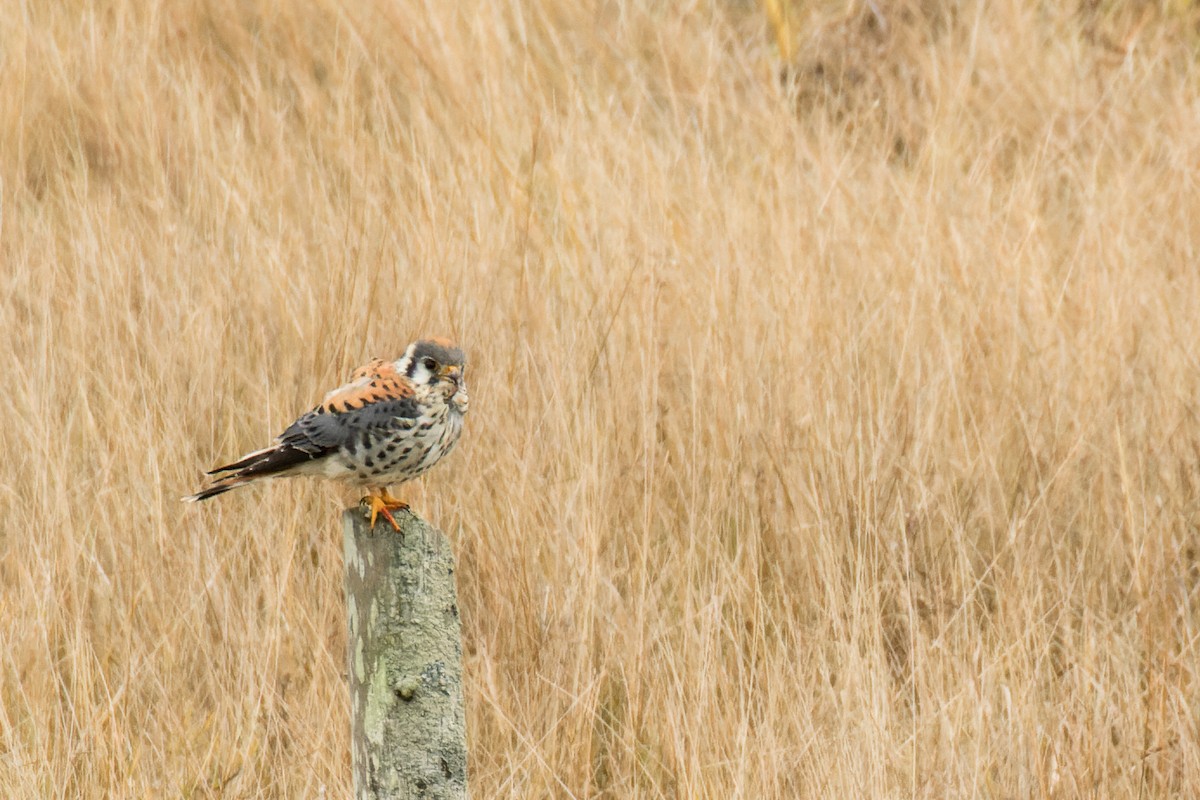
(438, 363)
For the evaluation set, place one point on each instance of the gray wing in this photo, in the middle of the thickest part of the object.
(322, 431)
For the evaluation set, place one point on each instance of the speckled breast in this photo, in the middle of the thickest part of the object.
(400, 452)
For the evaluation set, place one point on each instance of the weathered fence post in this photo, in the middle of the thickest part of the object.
(408, 732)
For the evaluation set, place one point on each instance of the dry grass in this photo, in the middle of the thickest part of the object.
(830, 437)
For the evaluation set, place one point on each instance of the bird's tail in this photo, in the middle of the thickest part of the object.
(272, 462)
(218, 487)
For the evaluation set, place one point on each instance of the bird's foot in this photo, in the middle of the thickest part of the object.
(384, 504)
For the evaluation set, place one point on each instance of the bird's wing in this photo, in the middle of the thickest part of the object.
(375, 382)
(376, 396)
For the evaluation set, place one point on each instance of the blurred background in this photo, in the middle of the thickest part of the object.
(833, 377)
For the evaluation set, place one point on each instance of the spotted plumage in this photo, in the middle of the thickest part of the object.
(390, 423)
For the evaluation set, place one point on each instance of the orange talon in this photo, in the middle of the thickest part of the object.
(384, 504)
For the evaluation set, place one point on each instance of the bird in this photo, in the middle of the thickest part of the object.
(391, 422)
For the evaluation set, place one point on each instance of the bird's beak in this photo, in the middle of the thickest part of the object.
(453, 372)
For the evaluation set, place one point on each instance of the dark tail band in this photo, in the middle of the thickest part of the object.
(221, 487)
(278, 460)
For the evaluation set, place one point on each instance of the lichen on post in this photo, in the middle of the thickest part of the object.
(408, 732)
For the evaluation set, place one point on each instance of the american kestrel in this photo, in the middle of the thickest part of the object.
(392, 422)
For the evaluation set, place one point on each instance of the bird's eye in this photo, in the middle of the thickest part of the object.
(429, 364)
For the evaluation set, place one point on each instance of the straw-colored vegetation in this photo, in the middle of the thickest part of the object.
(835, 371)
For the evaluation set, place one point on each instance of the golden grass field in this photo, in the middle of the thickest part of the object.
(834, 385)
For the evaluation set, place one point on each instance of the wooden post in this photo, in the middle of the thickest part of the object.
(408, 732)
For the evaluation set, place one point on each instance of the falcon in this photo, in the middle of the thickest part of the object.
(391, 422)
